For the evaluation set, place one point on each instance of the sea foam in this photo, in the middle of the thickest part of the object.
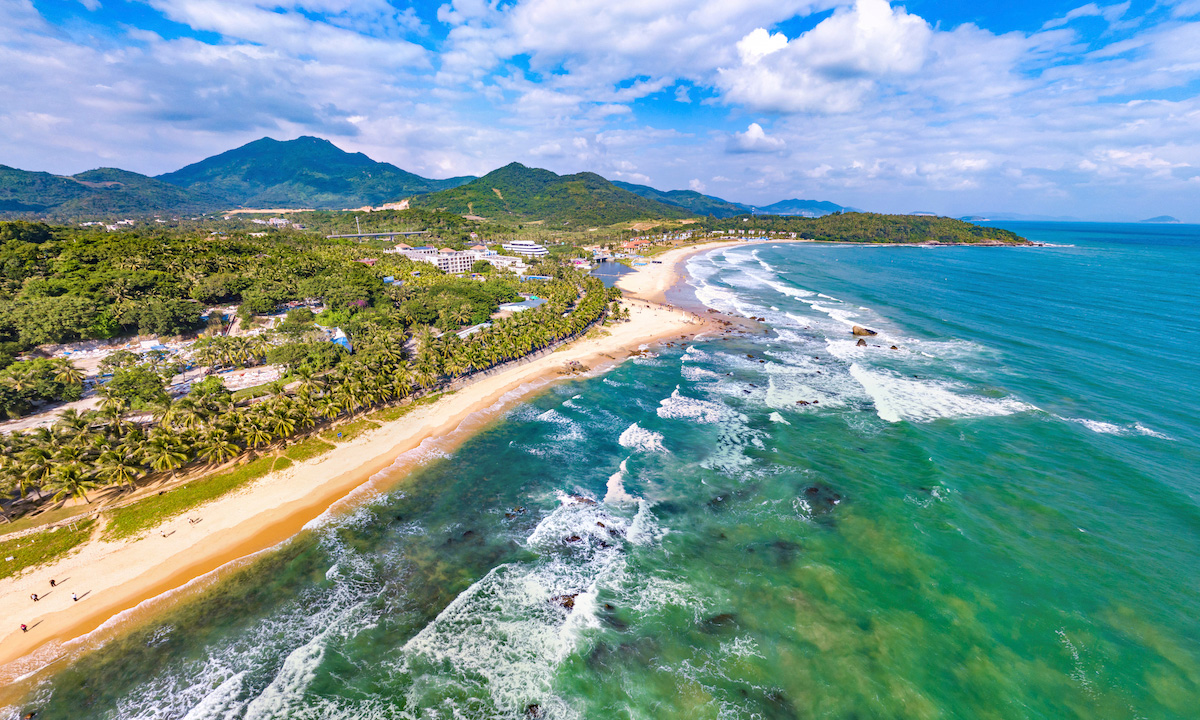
(898, 398)
(639, 438)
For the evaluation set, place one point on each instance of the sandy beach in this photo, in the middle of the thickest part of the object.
(118, 582)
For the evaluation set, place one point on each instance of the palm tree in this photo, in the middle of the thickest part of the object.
(165, 455)
(255, 431)
(71, 481)
(67, 374)
(216, 447)
(119, 469)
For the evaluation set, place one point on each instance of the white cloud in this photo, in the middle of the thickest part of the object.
(830, 68)
(695, 184)
(755, 140)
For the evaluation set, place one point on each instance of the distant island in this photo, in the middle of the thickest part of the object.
(1161, 220)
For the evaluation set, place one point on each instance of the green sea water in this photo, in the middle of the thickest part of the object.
(1000, 518)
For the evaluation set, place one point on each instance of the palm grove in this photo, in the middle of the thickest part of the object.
(64, 284)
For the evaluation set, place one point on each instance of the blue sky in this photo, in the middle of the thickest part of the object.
(1050, 108)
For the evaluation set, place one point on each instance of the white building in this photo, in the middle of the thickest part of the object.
(507, 262)
(453, 261)
(526, 247)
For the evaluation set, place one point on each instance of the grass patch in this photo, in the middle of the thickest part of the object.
(33, 550)
(349, 431)
(256, 391)
(396, 412)
(308, 449)
(595, 333)
(282, 464)
(48, 517)
(151, 511)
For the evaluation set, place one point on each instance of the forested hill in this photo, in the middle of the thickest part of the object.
(100, 192)
(805, 208)
(516, 192)
(690, 200)
(305, 172)
(858, 227)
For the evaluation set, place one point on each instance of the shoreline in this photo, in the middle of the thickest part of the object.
(129, 580)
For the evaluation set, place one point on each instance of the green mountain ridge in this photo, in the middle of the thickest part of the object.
(99, 192)
(517, 192)
(803, 208)
(695, 202)
(305, 172)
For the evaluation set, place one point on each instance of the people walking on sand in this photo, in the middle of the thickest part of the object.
(24, 628)
(74, 597)
(34, 596)
(52, 583)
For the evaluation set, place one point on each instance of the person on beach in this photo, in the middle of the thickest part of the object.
(74, 597)
(52, 583)
(34, 596)
(24, 628)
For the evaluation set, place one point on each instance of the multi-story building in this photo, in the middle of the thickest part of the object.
(526, 247)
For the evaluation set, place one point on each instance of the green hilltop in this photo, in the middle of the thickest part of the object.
(305, 172)
(515, 193)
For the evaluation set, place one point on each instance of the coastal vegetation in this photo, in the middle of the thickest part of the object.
(404, 335)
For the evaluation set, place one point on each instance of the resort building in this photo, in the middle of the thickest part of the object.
(453, 261)
(526, 247)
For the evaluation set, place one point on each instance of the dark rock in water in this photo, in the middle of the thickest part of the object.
(514, 512)
(895, 348)
(821, 499)
(720, 623)
(601, 524)
(816, 402)
(468, 533)
(860, 330)
(639, 652)
(776, 706)
(762, 361)
(663, 509)
(860, 343)
(583, 499)
(749, 356)
(785, 551)
(534, 710)
(565, 601)
(572, 539)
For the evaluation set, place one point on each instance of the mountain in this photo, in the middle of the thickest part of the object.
(1160, 219)
(804, 208)
(516, 192)
(104, 191)
(305, 172)
(690, 200)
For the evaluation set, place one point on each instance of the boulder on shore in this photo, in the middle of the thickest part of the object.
(860, 330)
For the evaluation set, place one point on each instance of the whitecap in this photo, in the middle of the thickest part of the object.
(616, 493)
(639, 438)
(897, 398)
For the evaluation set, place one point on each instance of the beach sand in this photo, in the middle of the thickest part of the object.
(112, 579)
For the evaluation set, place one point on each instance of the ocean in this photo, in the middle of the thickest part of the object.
(992, 510)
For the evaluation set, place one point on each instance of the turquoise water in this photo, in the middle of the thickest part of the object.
(1000, 518)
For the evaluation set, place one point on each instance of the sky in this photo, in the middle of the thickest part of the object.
(1050, 108)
